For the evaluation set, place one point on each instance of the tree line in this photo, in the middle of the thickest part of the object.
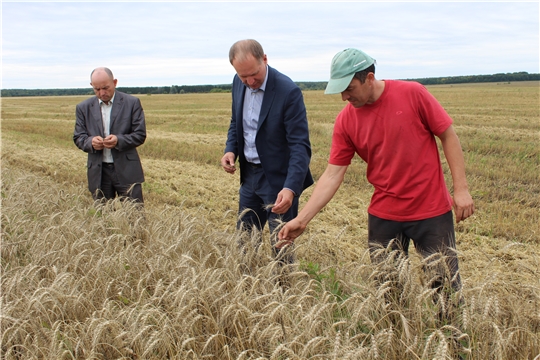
(304, 85)
(508, 77)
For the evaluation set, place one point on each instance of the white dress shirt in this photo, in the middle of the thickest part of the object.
(106, 110)
(253, 99)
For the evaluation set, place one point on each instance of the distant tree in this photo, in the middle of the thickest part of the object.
(304, 86)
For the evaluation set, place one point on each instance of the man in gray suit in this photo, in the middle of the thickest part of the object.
(109, 128)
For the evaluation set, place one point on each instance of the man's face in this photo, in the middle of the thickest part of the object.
(359, 94)
(103, 86)
(251, 71)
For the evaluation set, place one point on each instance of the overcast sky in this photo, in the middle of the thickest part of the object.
(57, 44)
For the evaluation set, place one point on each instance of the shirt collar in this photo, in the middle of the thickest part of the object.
(110, 102)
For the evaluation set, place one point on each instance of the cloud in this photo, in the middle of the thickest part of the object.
(56, 44)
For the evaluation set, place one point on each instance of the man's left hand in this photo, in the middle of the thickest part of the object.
(110, 141)
(283, 202)
(463, 205)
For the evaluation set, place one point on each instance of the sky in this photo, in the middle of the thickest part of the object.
(47, 45)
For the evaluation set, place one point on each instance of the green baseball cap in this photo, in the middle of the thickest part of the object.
(345, 64)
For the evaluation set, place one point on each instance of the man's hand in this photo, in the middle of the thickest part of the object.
(110, 141)
(283, 202)
(463, 202)
(97, 143)
(227, 162)
(290, 232)
(463, 205)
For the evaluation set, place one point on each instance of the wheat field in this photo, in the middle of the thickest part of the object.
(81, 281)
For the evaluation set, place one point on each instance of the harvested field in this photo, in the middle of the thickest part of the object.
(82, 282)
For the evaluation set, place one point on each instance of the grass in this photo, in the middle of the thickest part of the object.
(108, 283)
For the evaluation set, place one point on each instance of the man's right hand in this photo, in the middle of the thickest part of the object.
(227, 162)
(290, 232)
(97, 143)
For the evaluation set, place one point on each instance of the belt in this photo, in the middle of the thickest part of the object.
(256, 166)
(108, 164)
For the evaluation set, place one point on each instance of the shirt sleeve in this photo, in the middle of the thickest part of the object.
(431, 112)
(342, 150)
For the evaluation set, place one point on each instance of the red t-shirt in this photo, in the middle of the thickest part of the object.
(395, 137)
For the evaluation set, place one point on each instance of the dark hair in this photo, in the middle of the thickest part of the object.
(242, 48)
(362, 75)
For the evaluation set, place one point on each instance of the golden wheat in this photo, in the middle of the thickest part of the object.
(112, 282)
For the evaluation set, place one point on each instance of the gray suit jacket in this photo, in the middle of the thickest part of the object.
(127, 123)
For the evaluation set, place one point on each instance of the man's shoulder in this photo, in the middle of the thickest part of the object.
(122, 96)
(405, 84)
(237, 82)
(281, 79)
(404, 89)
(87, 102)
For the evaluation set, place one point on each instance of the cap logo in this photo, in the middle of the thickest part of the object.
(361, 62)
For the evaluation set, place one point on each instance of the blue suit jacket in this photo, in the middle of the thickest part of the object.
(282, 138)
(127, 123)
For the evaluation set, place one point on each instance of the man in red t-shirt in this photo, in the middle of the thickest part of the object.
(392, 126)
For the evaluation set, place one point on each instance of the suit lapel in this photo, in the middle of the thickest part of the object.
(241, 93)
(268, 98)
(118, 104)
(95, 110)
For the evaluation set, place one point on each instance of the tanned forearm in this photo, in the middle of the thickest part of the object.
(463, 202)
(325, 189)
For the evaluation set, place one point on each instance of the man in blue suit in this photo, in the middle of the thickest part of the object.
(269, 136)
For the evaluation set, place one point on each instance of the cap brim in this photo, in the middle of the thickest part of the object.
(336, 86)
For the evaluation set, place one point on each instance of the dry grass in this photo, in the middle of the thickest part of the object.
(108, 283)
(81, 282)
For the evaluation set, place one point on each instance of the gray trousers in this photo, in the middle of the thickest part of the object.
(430, 236)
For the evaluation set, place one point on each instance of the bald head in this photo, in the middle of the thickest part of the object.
(242, 49)
(103, 83)
(101, 70)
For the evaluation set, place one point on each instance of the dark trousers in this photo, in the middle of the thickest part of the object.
(111, 187)
(430, 236)
(254, 213)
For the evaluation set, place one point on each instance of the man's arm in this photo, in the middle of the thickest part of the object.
(325, 189)
(297, 137)
(463, 202)
(136, 135)
(81, 136)
(231, 146)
